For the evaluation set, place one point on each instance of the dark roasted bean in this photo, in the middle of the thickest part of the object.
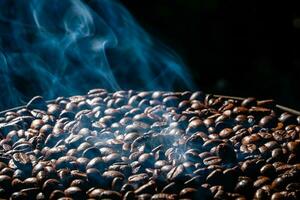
(75, 193)
(149, 145)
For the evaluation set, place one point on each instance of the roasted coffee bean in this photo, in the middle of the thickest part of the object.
(193, 193)
(226, 153)
(97, 163)
(261, 181)
(50, 185)
(249, 102)
(149, 145)
(65, 162)
(162, 196)
(94, 176)
(19, 196)
(148, 188)
(268, 122)
(176, 174)
(294, 146)
(91, 153)
(5, 181)
(75, 193)
(244, 186)
(56, 194)
(37, 102)
(226, 133)
(216, 177)
(109, 194)
(268, 170)
(146, 160)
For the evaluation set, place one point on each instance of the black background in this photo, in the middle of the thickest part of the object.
(240, 48)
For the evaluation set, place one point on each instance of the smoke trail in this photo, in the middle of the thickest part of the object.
(55, 48)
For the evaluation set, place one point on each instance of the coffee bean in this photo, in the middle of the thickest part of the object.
(94, 176)
(146, 160)
(176, 174)
(244, 186)
(109, 194)
(249, 102)
(19, 196)
(216, 177)
(261, 194)
(226, 133)
(37, 102)
(65, 162)
(148, 188)
(268, 170)
(268, 122)
(129, 195)
(294, 146)
(163, 196)
(5, 182)
(75, 193)
(97, 163)
(162, 145)
(261, 181)
(56, 194)
(50, 185)
(226, 153)
(278, 196)
(91, 152)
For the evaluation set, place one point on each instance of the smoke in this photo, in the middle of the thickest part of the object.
(62, 48)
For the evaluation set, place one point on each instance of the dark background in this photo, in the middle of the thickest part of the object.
(240, 48)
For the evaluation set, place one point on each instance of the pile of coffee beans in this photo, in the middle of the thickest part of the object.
(149, 145)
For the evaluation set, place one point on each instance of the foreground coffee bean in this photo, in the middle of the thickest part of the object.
(75, 193)
(149, 145)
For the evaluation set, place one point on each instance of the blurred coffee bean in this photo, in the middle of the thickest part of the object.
(37, 102)
(268, 122)
(75, 193)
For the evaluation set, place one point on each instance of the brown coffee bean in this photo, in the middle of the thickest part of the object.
(176, 174)
(226, 153)
(129, 195)
(278, 196)
(148, 188)
(268, 122)
(212, 160)
(249, 102)
(294, 146)
(162, 196)
(22, 161)
(75, 193)
(195, 126)
(56, 194)
(5, 181)
(50, 185)
(19, 196)
(91, 153)
(40, 196)
(261, 181)
(261, 194)
(97, 163)
(65, 162)
(216, 177)
(146, 160)
(226, 133)
(94, 176)
(109, 194)
(192, 193)
(171, 101)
